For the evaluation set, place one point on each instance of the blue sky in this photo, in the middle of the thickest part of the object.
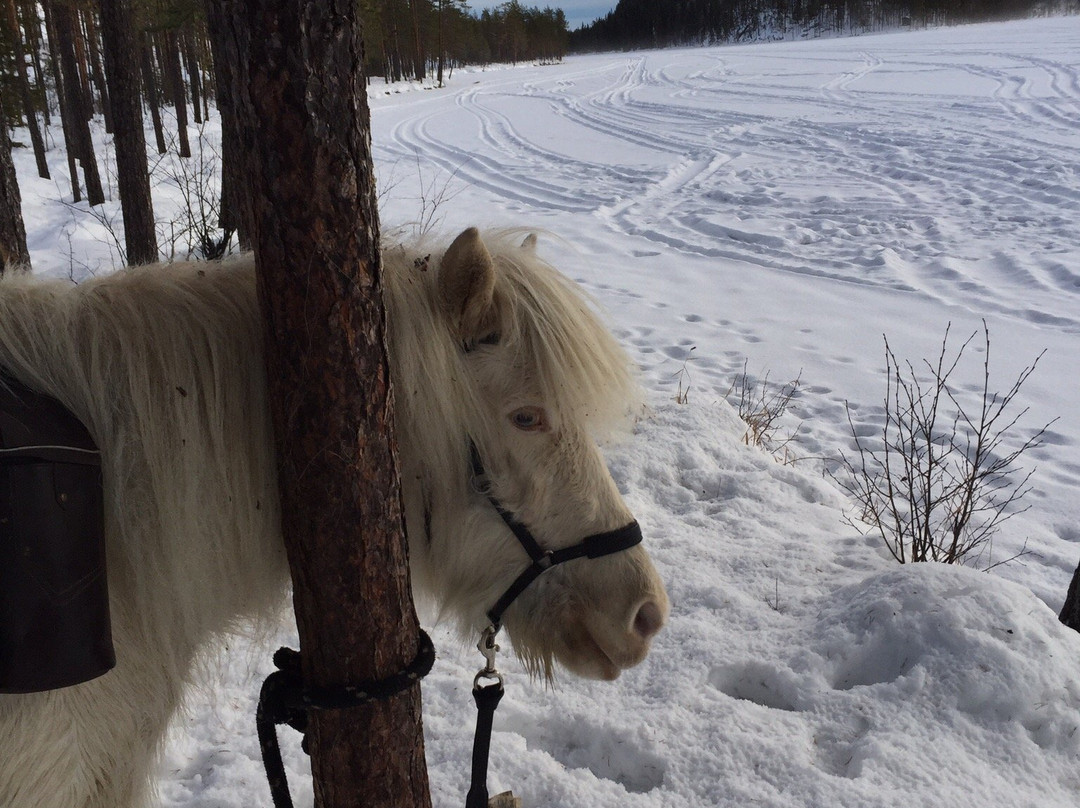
(577, 12)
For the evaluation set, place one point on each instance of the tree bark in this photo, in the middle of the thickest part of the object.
(83, 64)
(191, 60)
(74, 108)
(24, 91)
(32, 38)
(442, 52)
(152, 99)
(299, 65)
(418, 42)
(171, 57)
(61, 95)
(13, 250)
(132, 172)
(235, 212)
(1070, 612)
(97, 75)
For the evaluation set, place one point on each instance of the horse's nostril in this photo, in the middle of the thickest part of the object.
(649, 620)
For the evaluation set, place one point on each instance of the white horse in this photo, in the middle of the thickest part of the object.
(164, 367)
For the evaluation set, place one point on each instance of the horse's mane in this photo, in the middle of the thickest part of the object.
(164, 366)
(548, 323)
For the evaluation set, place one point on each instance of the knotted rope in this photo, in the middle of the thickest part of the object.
(285, 699)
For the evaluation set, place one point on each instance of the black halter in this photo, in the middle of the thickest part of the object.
(594, 546)
(487, 697)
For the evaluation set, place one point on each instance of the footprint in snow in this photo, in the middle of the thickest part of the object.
(757, 682)
(578, 743)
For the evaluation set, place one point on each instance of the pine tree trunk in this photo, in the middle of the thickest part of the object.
(1070, 612)
(235, 212)
(96, 73)
(191, 60)
(316, 249)
(13, 252)
(418, 42)
(152, 99)
(24, 92)
(61, 94)
(171, 56)
(74, 107)
(440, 44)
(32, 37)
(81, 61)
(132, 172)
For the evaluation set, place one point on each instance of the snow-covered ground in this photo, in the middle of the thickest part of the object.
(784, 206)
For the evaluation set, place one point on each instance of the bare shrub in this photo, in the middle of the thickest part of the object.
(194, 231)
(761, 405)
(682, 395)
(434, 190)
(943, 477)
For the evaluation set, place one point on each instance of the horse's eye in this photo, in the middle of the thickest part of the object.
(471, 345)
(529, 419)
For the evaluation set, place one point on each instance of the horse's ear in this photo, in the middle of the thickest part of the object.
(529, 244)
(467, 285)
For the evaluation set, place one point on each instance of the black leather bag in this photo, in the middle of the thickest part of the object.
(54, 603)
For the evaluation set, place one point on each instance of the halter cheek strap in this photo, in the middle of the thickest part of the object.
(594, 546)
(487, 696)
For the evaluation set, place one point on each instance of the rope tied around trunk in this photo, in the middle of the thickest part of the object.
(285, 699)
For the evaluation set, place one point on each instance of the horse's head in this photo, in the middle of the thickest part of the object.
(538, 378)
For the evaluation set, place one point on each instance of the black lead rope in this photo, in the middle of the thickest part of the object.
(285, 699)
(487, 697)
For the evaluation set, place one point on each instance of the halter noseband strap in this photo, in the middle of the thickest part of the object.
(594, 546)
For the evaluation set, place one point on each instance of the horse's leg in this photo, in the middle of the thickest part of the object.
(131, 731)
(63, 749)
(128, 785)
(89, 746)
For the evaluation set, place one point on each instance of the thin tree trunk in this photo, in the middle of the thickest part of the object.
(171, 59)
(440, 43)
(316, 249)
(32, 37)
(399, 60)
(418, 43)
(74, 106)
(61, 94)
(1070, 612)
(192, 62)
(81, 61)
(13, 252)
(235, 212)
(132, 173)
(152, 98)
(96, 72)
(209, 85)
(24, 92)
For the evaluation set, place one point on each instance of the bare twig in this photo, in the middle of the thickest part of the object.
(682, 396)
(761, 405)
(194, 231)
(944, 476)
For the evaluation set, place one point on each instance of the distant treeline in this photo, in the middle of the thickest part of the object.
(64, 63)
(414, 39)
(652, 24)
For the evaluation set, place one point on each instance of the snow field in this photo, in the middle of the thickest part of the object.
(784, 206)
